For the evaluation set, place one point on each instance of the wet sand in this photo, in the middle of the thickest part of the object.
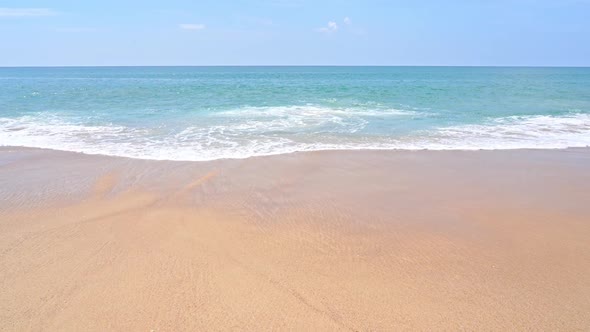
(347, 240)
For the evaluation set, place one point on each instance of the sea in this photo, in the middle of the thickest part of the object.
(207, 113)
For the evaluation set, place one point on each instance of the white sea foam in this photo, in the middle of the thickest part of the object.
(314, 111)
(259, 131)
(538, 131)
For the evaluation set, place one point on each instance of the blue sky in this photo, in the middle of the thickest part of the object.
(295, 32)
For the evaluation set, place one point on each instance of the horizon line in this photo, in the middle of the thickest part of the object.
(316, 65)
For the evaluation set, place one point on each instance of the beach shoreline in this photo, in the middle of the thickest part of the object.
(328, 240)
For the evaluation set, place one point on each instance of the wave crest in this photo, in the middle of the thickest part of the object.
(256, 131)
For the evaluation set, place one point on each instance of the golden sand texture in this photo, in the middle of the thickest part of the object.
(309, 241)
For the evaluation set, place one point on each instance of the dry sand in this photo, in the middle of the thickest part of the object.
(365, 240)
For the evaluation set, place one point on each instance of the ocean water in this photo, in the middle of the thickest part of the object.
(205, 113)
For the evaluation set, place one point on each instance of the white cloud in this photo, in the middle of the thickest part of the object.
(331, 27)
(26, 12)
(192, 26)
(347, 20)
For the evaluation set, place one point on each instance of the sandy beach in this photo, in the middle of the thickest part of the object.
(332, 240)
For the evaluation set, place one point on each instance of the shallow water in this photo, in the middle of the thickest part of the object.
(205, 113)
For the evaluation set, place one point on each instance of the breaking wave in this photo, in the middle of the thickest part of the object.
(257, 131)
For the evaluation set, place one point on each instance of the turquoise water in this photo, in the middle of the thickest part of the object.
(204, 113)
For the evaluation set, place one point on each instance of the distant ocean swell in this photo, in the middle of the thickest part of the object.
(256, 131)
